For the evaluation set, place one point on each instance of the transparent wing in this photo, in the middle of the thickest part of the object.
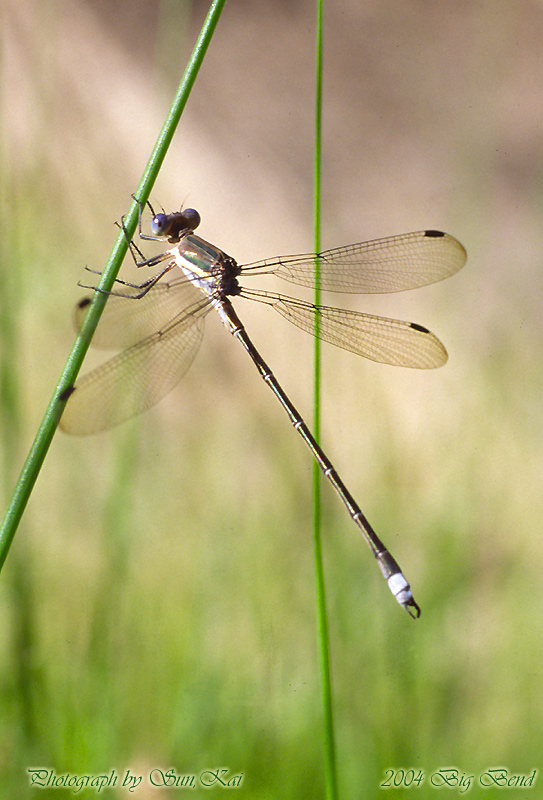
(382, 265)
(388, 341)
(138, 377)
(126, 320)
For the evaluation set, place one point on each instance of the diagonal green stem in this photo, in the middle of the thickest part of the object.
(48, 426)
(324, 650)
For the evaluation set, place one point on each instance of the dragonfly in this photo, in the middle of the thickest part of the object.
(159, 334)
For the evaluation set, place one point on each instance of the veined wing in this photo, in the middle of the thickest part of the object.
(138, 377)
(393, 264)
(126, 320)
(388, 341)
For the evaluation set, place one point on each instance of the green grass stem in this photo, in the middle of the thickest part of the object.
(323, 637)
(46, 431)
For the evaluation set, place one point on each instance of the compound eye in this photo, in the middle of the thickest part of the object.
(192, 218)
(160, 225)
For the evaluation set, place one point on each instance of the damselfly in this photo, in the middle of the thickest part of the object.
(159, 335)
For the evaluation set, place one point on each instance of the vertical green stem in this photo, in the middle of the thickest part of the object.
(324, 650)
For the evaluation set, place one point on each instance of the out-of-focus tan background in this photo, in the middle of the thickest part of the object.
(157, 603)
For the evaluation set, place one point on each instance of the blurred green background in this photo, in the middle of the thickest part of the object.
(157, 605)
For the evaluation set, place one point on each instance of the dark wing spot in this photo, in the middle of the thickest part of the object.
(65, 393)
(86, 301)
(434, 234)
(420, 328)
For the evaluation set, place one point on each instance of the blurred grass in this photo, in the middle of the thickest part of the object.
(157, 604)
